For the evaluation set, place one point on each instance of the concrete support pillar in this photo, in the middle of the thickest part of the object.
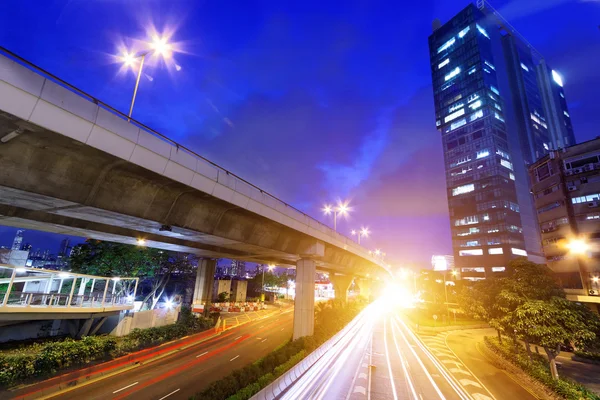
(304, 304)
(341, 284)
(364, 286)
(205, 277)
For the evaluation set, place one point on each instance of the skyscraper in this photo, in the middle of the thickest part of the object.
(491, 113)
(18, 241)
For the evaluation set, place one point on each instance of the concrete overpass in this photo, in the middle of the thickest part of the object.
(73, 165)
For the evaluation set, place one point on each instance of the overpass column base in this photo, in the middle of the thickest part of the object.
(341, 284)
(364, 286)
(304, 304)
(205, 277)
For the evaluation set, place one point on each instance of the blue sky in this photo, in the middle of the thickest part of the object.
(311, 100)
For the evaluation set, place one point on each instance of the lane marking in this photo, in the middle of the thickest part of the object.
(362, 375)
(200, 355)
(360, 389)
(387, 356)
(264, 340)
(237, 338)
(174, 391)
(466, 382)
(234, 358)
(128, 386)
(258, 338)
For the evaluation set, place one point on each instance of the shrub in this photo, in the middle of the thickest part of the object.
(588, 354)
(539, 369)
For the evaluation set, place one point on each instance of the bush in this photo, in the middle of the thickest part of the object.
(539, 369)
(242, 384)
(41, 361)
(588, 354)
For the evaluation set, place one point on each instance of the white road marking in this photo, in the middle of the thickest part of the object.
(128, 386)
(174, 391)
(479, 396)
(263, 340)
(234, 358)
(237, 338)
(466, 382)
(362, 375)
(360, 389)
(258, 338)
(200, 355)
(281, 329)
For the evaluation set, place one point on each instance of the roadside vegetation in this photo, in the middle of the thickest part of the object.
(40, 361)
(528, 305)
(330, 318)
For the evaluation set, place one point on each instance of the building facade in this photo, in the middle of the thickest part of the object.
(490, 112)
(566, 190)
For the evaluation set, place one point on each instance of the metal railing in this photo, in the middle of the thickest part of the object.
(40, 288)
(140, 125)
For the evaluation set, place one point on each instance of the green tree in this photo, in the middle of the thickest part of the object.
(550, 323)
(223, 297)
(153, 266)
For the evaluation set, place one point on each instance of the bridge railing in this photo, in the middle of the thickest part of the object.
(31, 289)
(206, 167)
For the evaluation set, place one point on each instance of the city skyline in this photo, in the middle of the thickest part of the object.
(389, 130)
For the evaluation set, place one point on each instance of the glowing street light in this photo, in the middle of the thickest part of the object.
(363, 232)
(158, 46)
(342, 209)
(578, 246)
(141, 242)
(271, 267)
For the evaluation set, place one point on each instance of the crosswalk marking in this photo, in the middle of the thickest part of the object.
(467, 382)
(360, 389)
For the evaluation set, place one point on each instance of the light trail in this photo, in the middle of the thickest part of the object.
(387, 357)
(403, 362)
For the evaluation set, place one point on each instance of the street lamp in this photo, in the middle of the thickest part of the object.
(271, 266)
(341, 208)
(158, 46)
(578, 246)
(453, 273)
(363, 232)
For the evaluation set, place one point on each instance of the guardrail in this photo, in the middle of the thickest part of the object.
(285, 381)
(238, 181)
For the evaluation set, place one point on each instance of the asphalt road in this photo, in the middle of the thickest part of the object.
(184, 373)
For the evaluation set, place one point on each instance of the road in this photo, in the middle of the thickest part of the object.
(382, 358)
(183, 374)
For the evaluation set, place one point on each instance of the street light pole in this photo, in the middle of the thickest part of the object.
(137, 83)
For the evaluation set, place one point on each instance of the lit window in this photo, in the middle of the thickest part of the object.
(546, 146)
(497, 106)
(483, 153)
(438, 122)
(447, 85)
(503, 154)
(475, 105)
(476, 115)
(495, 90)
(463, 189)
(443, 63)
(511, 176)
(487, 70)
(585, 199)
(472, 243)
(446, 45)
(496, 250)
(518, 252)
(498, 117)
(486, 217)
(472, 70)
(491, 96)
(593, 216)
(474, 252)
(498, 269)
(557, 78)
(460, 161)
(566, 114)
(562, 95)
(506, 164)
(482, 31)
(473, 219)
(454, 115)
(462, 33)
(457, 124)
(489, 64)
(456, 107)
(452, 74)
(472, 98)
(524, 67)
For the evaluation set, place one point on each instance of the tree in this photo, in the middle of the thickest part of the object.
(554, 322)
(223, 297)
(154, 267)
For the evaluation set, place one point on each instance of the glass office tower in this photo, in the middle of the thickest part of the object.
(491, 94)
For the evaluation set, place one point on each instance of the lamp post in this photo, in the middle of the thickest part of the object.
(271, 266)
(363, 232)
(579, 248)
(341, 209)
(158, 46)
(446, 293)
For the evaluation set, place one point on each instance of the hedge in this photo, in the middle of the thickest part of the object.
(539, 369)
(588, 355)
(42, 361)
(243, 383)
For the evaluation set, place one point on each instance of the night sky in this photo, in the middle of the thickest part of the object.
(311, 101)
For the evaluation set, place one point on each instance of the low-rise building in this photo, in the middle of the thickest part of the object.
(566, 192)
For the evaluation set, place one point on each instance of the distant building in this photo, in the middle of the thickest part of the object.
(18, 240)
(492, 98)
(442, 263)
(566, 191)
(64, 248)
